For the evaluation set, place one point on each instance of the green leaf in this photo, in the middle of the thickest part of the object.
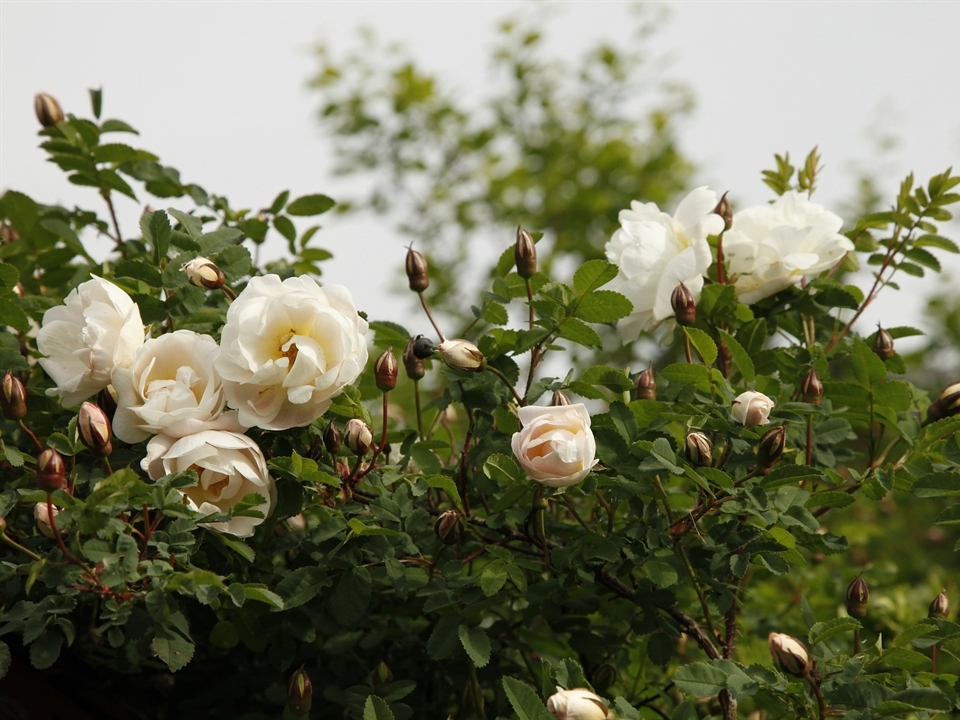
(913, 699)
(476, 643)
(224, 635)
(579, 332)
(193, 225)
(443, 639)
(13, 315)
(119, 153)
(375, 708)
(493, 577)
(593, 274)
(279, 201)
(5, 659)
(867, 367)
(285, 227)
(741, 357)
(660, 572)
(139, 270)
(924, 627)
(172, 649)
(116, 126)
(938, 242)
(696, 376)
(524, 700)
(699, 679)
(503, 468)
(703, 343)
(446, 484)
(301, 585)
(603, 306)
(261, 593)
(823, 631)
(937, 484)
(350, 599)
(310, 205)
(9, 275)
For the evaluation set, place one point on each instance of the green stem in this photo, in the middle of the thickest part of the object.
(14, 544)
(426, 309)
(507, 382)
(576, 516)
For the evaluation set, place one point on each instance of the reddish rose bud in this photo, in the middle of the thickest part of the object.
(698, 449)
(300, 693)
(357, 436)
(684, 306)
(724, 210)
(385, 371)
(51, 471)
(93, 426)
(13, 397)
(811, 387)
(646, 385)
(940, 607)
(331, 439)
(525, 254)
(857, 596)
(418, 273)
(883, 344)
(448, 527)
(411, 363)
(48, 110)
(772, 444)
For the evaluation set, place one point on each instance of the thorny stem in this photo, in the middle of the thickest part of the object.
(601, 498)
(28, 431)
(426, 309)
(507, 382)
(105, 194)
(416, 399)
(816, 691)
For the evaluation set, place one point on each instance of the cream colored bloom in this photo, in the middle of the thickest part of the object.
(287, 349)
(96, 330)
(577, 704)
(656, 252)
(789, 654)
(771, 247)
(555, 445)
(751, 409)
(171, 387)
(462, 355)
(230, 467)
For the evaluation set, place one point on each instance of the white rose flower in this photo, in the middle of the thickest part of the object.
(171, 387)
(751, 409)
(96, 330)
(230, 467)
(657, 252)
(555, 445)
(577, 704)
(287, 349)
(771, 247)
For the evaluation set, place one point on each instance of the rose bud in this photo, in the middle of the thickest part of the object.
(93, 426)
(107, 400)
(811, 387)
(947, 403)
(724, 210)
(883, 344)
(42, 518)
(771, 447)
(300, 693)
(462, 355)
(577, 704)
(684, 306)
(525, 254)
(204, 273)
(382, 677)
(751, 409)
(13, 397)
(331, 439)
(698, 449)
(448, 527)
(940, 607)
(357, 436)
(789, 654)
(411, 363)
(559, 399)
(422, 348)
(385, 371)
(51, 471)
(48, 110)
(857, 596)
(417, 273)
(8, 234)
(646, 385)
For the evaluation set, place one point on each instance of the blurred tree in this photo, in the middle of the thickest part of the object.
(555, 146)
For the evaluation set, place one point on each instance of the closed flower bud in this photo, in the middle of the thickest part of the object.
(525, 254)
(448, 527)
(724, 210)
(107, 400)
(698, 449)
(357, 436)
(772, 444)
(646, 385)
(751, 409)
(331, 439)
(13, 397)
(382, 677)
(940, 607)
(857, 596)
(577, 704)
(684, 306)
(411, 363)
(559, 399)
(947, 403)
(417, 273)
(48, 110)
(462, 355)
(51, 471)
(8, 234)
(93, 426)
(811, 387)
(422, 348)
(883, 344)
(789, 654)
(42, 518)
(385, 371)
(300, 693)
(204, 273)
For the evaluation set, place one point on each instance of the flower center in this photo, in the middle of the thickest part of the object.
(289, 349)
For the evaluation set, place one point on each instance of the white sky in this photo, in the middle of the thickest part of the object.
(218, 90)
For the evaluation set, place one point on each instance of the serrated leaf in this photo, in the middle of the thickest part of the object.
(444, 638)
(593, 274)
(446, 484)
(13, 315)
(310, 205)
(696, 376)
(493, 577)
(924, 627)
(285, 227)
(823, 631)
(524, 700)
(867, 367)
(261, 593)
(301, 586)
(375, 708)
(503, 468)
(173, 650)
(579, 332)
(937, 484)
(139, 270)
(704, 344)
(603, 306)
(699, 680)
(5, 659)
(740, 356)
(476, 643)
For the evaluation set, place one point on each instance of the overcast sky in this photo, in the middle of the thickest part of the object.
(219, 90)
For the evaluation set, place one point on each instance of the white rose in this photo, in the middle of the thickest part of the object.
(96, 330)
(771, 247)
(171, 387)
(42, 517)
(577, 704)
(657, 252)
(751, 409)
(555, 445)
(230, 467)
(287, 349)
